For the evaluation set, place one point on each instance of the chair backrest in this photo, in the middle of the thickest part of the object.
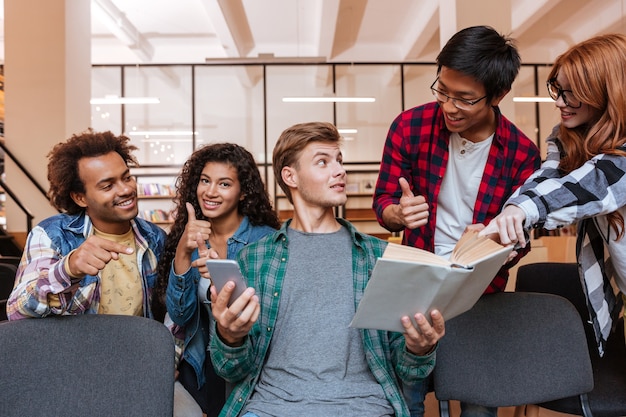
(86, 365)
(513, 349)
(608, 397)
(553, 278)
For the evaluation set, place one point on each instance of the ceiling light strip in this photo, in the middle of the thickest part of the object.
(124, 100)
(533, 100)
(329, 99)
(162, 133)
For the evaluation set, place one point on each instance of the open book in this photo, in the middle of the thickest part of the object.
(407, 280)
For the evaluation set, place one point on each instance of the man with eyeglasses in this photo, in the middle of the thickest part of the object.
(454, 162)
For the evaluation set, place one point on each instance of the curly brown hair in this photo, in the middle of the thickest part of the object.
(255, 204)
(63, 164)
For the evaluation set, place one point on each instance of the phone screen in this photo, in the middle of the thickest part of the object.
(224, 270)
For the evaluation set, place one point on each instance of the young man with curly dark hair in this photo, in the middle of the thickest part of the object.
(95, 257)
(222, 201)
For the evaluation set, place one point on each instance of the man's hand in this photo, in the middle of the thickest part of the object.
(189, 240)
(411, 212)
(507, 227)
(422, 339)
(93, 255)
(234, 322)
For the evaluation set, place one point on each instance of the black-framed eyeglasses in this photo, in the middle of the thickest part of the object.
(459, 103)
(555, 91)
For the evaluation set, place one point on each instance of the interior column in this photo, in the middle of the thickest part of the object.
(47, 90)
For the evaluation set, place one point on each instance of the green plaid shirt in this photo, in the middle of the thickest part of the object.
(264, 263)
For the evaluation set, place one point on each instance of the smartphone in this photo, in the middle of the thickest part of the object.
(224, 270)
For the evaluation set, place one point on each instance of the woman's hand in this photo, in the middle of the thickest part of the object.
(507, 227)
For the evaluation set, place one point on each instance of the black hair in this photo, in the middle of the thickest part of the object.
(482, 53)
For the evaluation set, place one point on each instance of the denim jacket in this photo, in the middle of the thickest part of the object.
(41, 275)
(182, 302)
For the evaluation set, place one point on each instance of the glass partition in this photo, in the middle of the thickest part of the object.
(367, 122)
(106, 81)
(229, 107)
(417, 80)
(244, 104)
(163, 131)
(288, 81)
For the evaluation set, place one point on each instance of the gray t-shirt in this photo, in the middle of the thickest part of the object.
(316, 364)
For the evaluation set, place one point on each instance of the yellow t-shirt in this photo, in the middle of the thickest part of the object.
(121, 289)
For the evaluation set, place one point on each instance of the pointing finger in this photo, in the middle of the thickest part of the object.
(202, 247)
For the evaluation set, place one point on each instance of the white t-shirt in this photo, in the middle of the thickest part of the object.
(457, 197)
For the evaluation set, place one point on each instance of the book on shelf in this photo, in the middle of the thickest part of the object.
(407, 280)
(154, 189)
(157, 216)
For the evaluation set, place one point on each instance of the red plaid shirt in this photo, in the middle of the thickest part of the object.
(417, 149)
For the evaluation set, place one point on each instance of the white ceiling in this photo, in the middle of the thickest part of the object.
(190, 31)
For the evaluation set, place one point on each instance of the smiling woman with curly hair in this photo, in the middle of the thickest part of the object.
(220, 199)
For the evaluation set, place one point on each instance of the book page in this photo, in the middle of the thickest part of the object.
(411, 254)
(471, 248)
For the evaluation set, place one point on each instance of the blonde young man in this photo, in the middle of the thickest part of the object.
(285, 342)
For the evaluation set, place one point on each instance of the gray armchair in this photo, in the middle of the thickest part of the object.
(86, 365)
(512, 349)
(608, 397)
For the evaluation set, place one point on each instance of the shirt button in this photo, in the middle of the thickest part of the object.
(283, 259)
(462, 151)
(276, 294)
(269, 329)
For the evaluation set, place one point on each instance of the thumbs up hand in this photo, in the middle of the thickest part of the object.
(193, 227)
(204, 254)
(195, 231)
(412, 210)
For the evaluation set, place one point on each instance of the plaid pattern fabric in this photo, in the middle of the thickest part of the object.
(264, 264)
(41, 276)
(417, 149)
(551, 200)
(596, 273)
(597, 188)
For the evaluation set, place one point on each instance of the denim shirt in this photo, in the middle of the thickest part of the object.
(182, 302)
(41, 273)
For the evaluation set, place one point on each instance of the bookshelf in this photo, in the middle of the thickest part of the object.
(155, 194)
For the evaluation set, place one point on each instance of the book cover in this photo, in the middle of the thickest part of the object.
(407, 280)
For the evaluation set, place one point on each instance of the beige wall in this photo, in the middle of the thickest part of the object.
(48, 63)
